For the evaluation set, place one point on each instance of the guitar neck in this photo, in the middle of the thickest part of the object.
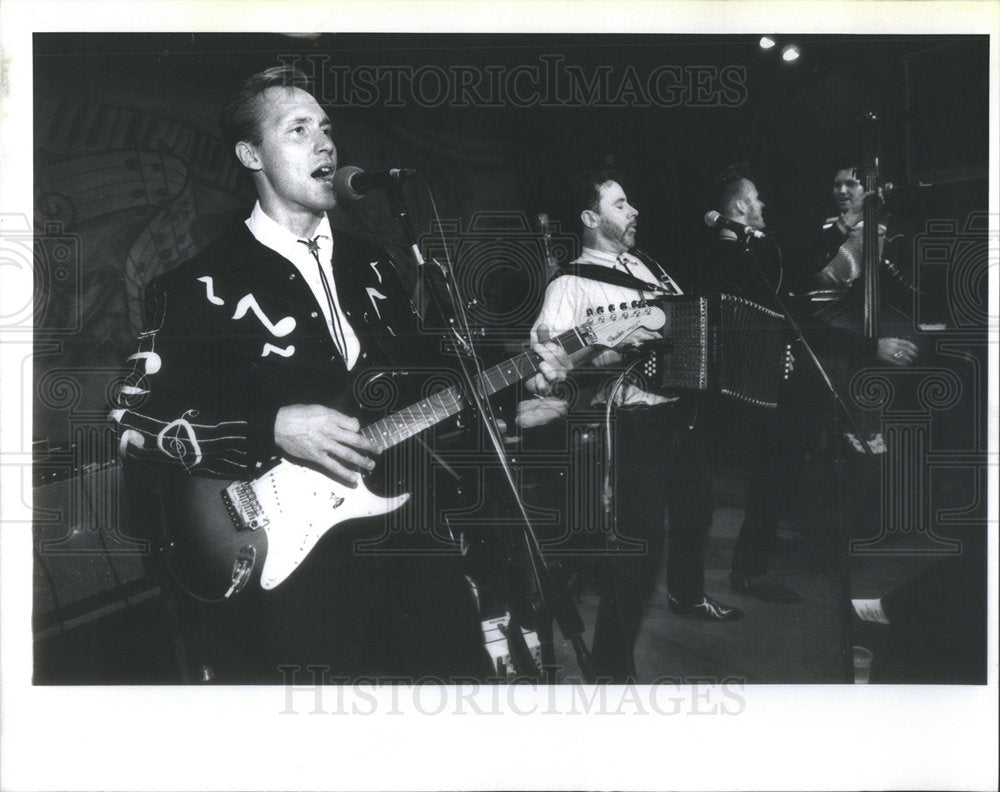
(400, 426)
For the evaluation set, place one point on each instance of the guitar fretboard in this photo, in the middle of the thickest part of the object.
(395, 428)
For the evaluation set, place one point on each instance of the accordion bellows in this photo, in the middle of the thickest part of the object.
(721, 343)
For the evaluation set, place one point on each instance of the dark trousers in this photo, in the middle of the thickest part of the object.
(765, 491)
(404, 617)
(660, 465)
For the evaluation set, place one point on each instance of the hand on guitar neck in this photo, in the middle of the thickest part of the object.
(553, 365)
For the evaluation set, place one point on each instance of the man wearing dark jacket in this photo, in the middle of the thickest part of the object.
(754, 272)
(258, 349)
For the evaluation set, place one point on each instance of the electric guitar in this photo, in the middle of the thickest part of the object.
(223, 536)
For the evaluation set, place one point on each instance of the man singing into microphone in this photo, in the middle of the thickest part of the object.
(254, 350)
(736, 264)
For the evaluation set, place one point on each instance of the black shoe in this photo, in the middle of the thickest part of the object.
(762, 587)
(708, 608)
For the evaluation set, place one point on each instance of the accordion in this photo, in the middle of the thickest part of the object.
(722, 344)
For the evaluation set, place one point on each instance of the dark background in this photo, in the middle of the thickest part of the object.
(131, 178)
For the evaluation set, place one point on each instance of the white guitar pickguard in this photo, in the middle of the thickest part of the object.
(302, 505)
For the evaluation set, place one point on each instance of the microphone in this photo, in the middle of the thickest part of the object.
(889, 188)
(714, 220)
(351, 182)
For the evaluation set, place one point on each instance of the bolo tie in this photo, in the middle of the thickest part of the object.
(312, 245)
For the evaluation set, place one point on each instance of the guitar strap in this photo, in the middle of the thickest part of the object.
(653, 266)
(615, 277)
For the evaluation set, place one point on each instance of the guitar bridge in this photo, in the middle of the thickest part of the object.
(243, 507)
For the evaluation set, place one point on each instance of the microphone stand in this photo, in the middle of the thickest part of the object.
(554, 600)
(840, 412)
(397, 205)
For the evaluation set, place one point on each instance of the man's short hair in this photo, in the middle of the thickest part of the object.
(729, 186)
(583, 190)
(241, 117)
(846, 160)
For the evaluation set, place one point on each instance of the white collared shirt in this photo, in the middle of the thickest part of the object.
(627, 263)
(568, 297)
(286, 244)
(847, 264)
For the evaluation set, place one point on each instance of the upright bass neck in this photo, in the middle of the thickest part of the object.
(870, 239)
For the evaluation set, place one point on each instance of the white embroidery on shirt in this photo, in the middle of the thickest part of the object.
(130, 437)
(210, 290)
(151, 361)
(249, 303)
(127, 391)
(177, 448)
(283, 351)
(372, 294)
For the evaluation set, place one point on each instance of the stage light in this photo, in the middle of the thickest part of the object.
(766, 42)
(790, 53)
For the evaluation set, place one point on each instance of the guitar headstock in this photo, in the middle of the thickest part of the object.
(610, 325)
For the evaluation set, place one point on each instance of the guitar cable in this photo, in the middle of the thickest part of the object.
(609, 506)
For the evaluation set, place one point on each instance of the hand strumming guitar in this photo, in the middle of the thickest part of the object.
(325, 437)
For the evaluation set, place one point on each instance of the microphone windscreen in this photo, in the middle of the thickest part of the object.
(342, 183)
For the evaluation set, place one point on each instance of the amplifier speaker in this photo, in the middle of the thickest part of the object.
(88, 558)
